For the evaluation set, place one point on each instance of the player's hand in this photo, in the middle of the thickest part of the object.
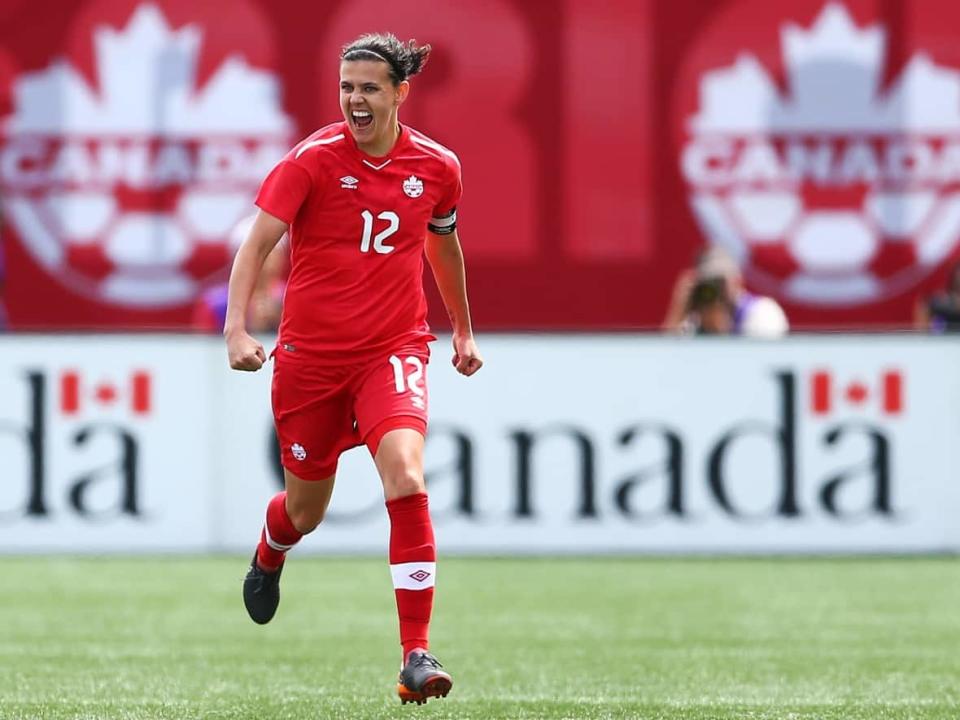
(245, 352)
(466, 355)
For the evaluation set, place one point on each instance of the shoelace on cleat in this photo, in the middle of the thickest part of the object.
(263, 578)
(427, 659)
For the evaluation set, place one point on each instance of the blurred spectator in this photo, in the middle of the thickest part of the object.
(266, 303)
(710, 299)
(941, 312)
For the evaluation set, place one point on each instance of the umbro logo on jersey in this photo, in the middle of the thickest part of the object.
(413, 186)
(349, 182)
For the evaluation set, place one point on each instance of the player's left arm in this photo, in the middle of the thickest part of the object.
(446, 260)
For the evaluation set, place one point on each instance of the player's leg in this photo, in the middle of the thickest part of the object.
(314, 422)
(291, 514)
(391, 411)
(413, 558)
(413, 551)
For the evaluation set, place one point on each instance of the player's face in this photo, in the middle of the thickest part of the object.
(369, 101)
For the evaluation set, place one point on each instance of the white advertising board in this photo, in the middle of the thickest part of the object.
(561, 444)
(104, 444)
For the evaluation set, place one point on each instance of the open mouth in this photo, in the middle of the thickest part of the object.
(361, 119)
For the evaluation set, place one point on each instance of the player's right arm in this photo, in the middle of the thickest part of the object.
(244, 351)
(282, 193)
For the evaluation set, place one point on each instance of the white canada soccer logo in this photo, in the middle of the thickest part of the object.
(837, 189)
(413, 186)
(126, 190)
(298, 451)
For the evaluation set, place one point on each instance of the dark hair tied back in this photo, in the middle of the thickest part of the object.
(404, 59)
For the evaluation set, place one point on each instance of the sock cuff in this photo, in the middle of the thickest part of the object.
(408, 504)
(279, 528)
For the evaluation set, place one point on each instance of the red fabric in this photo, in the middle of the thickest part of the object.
(281, 530)
(393, 388)
(411, 540)
(321, 410)
(410, 422)
(344, 297)
(313, 414)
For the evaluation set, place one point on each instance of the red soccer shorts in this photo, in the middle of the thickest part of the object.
(322, 410)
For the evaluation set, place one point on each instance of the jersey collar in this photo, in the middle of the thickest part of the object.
(378, 163)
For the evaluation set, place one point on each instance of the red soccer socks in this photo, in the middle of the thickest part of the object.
(278, 536)
(413, 565)
(413, 556)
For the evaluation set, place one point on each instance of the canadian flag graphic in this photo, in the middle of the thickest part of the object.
(77, 394)
(828, 393)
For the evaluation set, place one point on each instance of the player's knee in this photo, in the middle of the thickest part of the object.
(305, 519)
(402, 481)
(400, 462)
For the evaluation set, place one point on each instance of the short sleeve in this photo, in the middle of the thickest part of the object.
(284, 191)
(452, 192)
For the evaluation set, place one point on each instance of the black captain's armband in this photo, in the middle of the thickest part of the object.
(443, 225)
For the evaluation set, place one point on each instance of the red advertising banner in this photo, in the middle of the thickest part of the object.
(603, 146)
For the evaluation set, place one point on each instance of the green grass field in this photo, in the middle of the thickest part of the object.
(533, 638)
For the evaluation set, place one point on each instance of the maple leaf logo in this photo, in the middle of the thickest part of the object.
(128, 191)
(834, 190)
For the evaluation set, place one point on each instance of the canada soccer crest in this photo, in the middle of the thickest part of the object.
(413, 186)
(123, 180)
(828, 168)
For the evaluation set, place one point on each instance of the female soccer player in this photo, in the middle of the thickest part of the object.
(363, 200)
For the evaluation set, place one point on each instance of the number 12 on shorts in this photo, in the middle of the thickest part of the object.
(410, 381)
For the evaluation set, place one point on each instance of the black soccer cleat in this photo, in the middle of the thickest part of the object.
(261, 592)
(421, 678)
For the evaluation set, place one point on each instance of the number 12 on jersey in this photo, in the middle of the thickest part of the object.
(411, 381)
(378, 244)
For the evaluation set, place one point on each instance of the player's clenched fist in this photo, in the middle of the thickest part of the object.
(245, 352)
(466, 355)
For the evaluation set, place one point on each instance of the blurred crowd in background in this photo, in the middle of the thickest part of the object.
(708, 298)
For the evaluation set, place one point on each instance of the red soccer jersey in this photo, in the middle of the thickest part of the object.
(357, 230)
